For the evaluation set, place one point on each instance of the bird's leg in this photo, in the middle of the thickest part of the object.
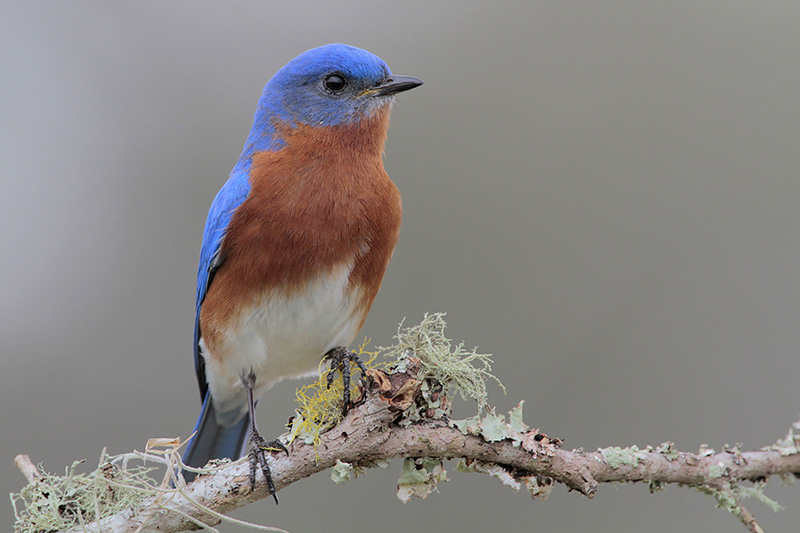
(340, 357)
(258, 446)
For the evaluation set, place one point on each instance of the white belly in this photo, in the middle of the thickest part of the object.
(282, 337)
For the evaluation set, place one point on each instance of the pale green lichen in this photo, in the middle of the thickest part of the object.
(515, 421)
(454, 367)
(343, 472)
(76, 500)
(468, 426)
(716, 471)
(757, 493)
(442, 368)
(705, 451)
(493, 427)
(54, 503)
(617, 457)
(668, 450)
(419, 477)
(729, 499)
(790, 444)
(725, 499)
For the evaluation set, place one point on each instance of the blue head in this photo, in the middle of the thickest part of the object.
(326, 86)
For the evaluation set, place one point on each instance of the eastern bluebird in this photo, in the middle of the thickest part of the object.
(296, 242)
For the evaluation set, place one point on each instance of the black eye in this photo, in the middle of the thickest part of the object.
(335, 83)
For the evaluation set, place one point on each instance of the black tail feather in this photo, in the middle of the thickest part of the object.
(214, 441)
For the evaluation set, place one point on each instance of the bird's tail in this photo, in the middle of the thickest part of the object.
(213, 440)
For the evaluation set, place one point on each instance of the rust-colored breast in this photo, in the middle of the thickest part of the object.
(323, 200)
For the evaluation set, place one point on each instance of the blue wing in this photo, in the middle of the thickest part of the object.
(229, 197)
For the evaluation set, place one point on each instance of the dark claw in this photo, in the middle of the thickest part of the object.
(259, 449)
(340, 358)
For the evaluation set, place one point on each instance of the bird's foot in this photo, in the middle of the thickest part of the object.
(340, 358)
(259, 448)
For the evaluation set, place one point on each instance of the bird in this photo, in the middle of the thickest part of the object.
(295, 245)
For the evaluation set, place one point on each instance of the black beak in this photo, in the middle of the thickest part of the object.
(395, 84)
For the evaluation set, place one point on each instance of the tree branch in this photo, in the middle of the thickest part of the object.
(376, 430)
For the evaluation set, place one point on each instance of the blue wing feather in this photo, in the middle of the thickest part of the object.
(229, 197)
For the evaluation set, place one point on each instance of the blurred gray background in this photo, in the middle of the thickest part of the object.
(602, 194)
